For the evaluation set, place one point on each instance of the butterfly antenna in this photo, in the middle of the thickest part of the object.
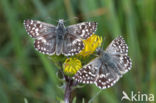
(103, 42)
(70, 19)
(54, 20)
(51, 19)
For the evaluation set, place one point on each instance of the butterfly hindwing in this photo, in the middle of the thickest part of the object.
(46, 44)
(124, 64)
(72, 45)
(106, 77)
(106, 81)
(88, 73)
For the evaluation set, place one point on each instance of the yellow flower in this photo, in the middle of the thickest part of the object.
(91, 44)
(71, 66)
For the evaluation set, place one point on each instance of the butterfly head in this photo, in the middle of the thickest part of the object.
(99, 50)
(61, 23)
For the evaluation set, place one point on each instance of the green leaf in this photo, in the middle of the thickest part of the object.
(25, 100)
(91, 100)
(74, 100)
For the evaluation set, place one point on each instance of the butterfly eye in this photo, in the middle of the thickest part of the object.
(99, 51)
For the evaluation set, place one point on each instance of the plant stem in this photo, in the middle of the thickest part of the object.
(67, 95)
(68, 89)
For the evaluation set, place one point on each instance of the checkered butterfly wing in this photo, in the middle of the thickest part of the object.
(119, 64)
(96, 72)
(119, 51)
(73, 43)
(44, 34)
(106, 73)
(88, 73)
(82, 30)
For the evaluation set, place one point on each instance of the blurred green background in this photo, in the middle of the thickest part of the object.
(27, 74)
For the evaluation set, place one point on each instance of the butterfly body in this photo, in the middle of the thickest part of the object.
(60, 34)
(108, 60)
(106, 69)
(105, 57)
(50, 39)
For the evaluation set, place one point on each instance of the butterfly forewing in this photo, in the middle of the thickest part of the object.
(118, 46)
(119, 51)
(82, 30)
(37, 28)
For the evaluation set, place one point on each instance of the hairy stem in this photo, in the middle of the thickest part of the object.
(69, 89)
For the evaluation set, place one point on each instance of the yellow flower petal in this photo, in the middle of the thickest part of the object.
(91, 44)
(71, 66)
